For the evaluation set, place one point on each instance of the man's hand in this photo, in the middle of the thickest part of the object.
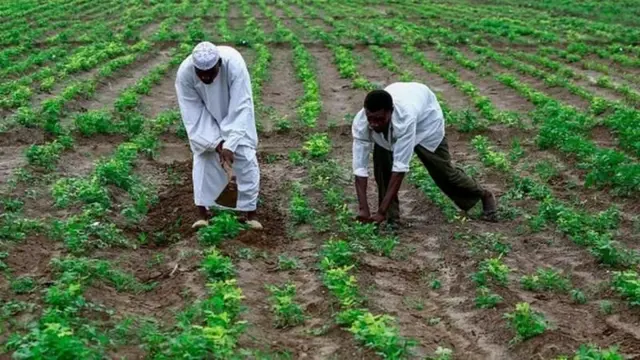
(226, 156)
(378, 218)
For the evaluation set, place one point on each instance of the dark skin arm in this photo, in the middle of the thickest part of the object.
(392, 192)
(363, 205)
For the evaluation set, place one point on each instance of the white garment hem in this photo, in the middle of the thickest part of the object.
(220, 207)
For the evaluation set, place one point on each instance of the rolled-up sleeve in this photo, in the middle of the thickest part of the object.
(362, 146)
(403, 147)
(361, 151)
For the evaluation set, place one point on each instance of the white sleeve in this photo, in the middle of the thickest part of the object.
(404, 145)
(362, 146)
(240, 116)
(201, 127)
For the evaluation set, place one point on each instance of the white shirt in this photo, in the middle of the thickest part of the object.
(222, 110)
(416, 120)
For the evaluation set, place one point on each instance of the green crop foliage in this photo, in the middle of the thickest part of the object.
(627, 284)
(545, 280)
(93, 269)
(492, 270)
(578, 297)
(489, 156)
(216, 266)
(94, 122)
(222, 227)
(526, 322)
(288, 263)
(441, 353)
(485, 299)
(594, 352)
(46, 156)
(338, 253)
(68, 191)
(299, 209)
(287, 312)
(317, 146)
(378, 332)
(23, 285)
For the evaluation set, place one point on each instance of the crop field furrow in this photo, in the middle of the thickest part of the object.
(541, 106)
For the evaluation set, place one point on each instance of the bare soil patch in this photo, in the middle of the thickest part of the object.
(281, 91)
(339, 98)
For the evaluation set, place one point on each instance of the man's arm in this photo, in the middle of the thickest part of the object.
(362, 146)
(199, 124)
(241, 114)
(402, 151)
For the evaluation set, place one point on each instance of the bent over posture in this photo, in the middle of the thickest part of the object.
(402, 119)
(216, 103)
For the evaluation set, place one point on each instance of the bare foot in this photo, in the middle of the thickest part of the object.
(489, 207)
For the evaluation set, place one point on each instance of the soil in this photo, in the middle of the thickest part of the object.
(282, 89)
(112, 87)
(339, 98)
(167, 251)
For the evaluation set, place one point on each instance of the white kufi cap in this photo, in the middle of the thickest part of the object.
(205, 55)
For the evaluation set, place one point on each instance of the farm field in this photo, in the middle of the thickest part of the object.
(98, 257)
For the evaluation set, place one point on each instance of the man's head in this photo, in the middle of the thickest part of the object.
(378, 107)
(206, 61)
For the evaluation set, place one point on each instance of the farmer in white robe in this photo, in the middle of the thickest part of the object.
(216, 103)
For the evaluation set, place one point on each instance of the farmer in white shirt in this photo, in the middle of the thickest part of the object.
(216, 103)
(402, 119)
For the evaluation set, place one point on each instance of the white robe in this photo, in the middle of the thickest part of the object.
(222, 110)
(417, 119)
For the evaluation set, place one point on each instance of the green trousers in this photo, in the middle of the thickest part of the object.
(458, 186)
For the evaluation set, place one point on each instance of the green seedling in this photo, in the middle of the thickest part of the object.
(492, 269)
(288, 263)
(526, 322)
(578, 297)
(485, 299)
(546, 170)
(296, 158)
(286, 311)
(246, 253)
(627, 284)
(299, 208)
(317, 146)
(441, 353)
(216, 266)
(283, 125)
(23, 285)
(223, 227)
(545, 280)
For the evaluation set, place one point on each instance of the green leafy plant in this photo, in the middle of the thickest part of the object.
(286, 311)
(288, 263)
(545, 280)
(94, 122)
(578, 297)
(485, 299)
(23, 285)
(224, 226)
(378, 332)
(317, 146)
(301, 212)
(494, 269)
(627, 284)
(216, 266)
(606, 307)
(441, 353)
(526, 322)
